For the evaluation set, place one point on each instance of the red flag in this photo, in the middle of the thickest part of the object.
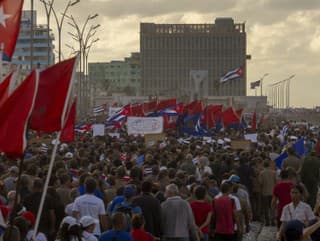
(137, 110)
(4, 89)
(254, 121)
(168, 123)
(193, 108)
(163, 104)
(67, 134)
(229, 117)
(14, 114)
(150, 106)
(54, 86)
(239, 113)
(209, 114)
(10, 17)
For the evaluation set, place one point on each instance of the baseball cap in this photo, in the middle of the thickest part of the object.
(68, 155)
(69, 220)
(234, 178)
(86, 221)
(30, 217)
(293, 230)
(14, 169)
(129, 191)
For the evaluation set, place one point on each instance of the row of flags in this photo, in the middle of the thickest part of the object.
(42, 102)
(201, 118)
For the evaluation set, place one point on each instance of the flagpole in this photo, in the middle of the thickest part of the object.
(1, 61)
(54, 152)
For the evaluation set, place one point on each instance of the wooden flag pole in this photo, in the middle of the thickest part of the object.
(54, 152)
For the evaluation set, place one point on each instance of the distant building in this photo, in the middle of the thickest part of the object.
(41, 44)
(117, 76)
(187, 60)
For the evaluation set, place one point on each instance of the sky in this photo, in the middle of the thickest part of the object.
(283, 36)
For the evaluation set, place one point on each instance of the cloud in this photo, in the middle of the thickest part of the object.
(282, 35)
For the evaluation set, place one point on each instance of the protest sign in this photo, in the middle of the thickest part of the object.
(241, 145)
(144, 125)
(251, 137)
(152, 139)
(98, 129)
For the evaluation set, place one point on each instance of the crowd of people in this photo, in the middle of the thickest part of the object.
(117, 189)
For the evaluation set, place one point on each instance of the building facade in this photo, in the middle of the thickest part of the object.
(42, 44)
(117, 76)
(187, 60)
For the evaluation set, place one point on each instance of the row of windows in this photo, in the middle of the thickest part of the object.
(193, 42)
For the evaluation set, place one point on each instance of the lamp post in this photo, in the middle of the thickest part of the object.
(49, 8)
(79, 37)
(88, 81)
(261, 81)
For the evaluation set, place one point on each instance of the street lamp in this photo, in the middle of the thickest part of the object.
(261, 81)
(83, 41)
(60, 23)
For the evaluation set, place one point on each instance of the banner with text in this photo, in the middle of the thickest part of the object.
(144, 125)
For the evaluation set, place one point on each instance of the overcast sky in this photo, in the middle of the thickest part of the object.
(283, 36)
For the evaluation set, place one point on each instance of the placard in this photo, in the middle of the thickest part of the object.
(98, 129)
(152, 139)
(144, 125)
(241, 145)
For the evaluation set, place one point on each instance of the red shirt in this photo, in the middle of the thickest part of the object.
(200, 212)
(282, 191)
(318, 148)
(223, 208)
(141, 235)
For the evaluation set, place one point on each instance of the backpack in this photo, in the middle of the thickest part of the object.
(127, 211)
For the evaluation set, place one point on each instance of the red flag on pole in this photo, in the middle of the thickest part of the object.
(254, 121)
(150, 106)
(193, 108)
(229, 117)
(54, 85)
(67, 134)
(14, 115)
(137, 110)
(163, 104)
(10, 17)
(4, 89)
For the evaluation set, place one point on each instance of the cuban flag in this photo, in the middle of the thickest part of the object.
(233, 74)
(123, 112)
(172, 110)
(83, 127)
(99, 109)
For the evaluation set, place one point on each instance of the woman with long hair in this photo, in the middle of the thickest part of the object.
(69, 230)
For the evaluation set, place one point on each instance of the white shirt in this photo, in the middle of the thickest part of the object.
(302, 212)
(39, 237)
(88, 236)
(90, 205)
(68, 209)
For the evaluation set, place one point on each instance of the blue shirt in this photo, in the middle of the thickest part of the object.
(134, 210)
(121, 236)
(116, 200)
(97, 193)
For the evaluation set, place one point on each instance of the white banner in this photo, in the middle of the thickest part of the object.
(144, 125)
(98, 129)
(113, 110)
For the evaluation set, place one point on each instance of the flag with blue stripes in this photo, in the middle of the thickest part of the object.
(233, 74)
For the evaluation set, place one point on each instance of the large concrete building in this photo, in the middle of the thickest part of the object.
(117, 76)
(42, 43)
(187, 60)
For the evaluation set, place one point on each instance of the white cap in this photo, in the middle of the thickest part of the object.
(220, 142)
(69, 220)
(227, 139)
(68, 155)
(86, 221)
